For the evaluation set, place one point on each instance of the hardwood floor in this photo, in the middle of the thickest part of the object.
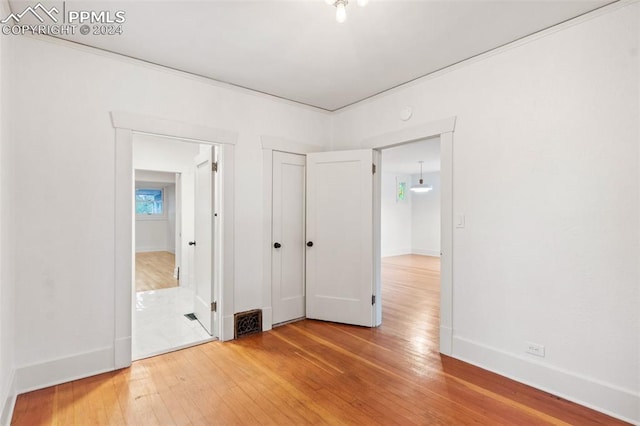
(154, 270)
(312, 372)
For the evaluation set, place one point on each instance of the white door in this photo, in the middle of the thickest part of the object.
(204, 237)
(288, 231)
(178, 231)
(340, 279)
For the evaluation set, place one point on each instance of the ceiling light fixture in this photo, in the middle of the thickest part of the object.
(421, 187)
(341, 8)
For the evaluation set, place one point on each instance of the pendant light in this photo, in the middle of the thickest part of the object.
(341, 8)
(421, 187)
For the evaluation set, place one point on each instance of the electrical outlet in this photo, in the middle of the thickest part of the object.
(534, 349)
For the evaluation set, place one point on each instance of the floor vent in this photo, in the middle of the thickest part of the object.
(248, 322)
(192, 317)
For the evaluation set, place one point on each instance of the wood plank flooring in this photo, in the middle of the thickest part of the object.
(154, 270)
(312, 372)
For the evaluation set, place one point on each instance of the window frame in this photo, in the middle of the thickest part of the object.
(162, 216)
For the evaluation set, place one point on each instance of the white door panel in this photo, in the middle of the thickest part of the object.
(204, 233)
(288, 260)
(340, 226)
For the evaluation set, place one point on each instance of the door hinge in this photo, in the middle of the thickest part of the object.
(214, 166)
(373, 299)
(373, 169)
(214, 306)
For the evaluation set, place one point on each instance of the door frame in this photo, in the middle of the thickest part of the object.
(443, 129)
(270, 144)
(125, 125)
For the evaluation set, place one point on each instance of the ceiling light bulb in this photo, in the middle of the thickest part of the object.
(341, 12)
(362, 3)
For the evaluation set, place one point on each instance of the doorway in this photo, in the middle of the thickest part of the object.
(410, 237)
(167, 285)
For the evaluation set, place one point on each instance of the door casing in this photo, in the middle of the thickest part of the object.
(441, 128)
(125, 124)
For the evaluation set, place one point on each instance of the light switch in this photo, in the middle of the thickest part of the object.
(460, 221)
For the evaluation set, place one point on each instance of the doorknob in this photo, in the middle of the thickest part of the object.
(310, 244)
(277, 245)
(192, 243)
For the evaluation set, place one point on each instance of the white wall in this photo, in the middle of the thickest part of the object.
(157, 233)
(65, 273)
(7, 277)
(395, 216)
(546, 170)
(425, 216)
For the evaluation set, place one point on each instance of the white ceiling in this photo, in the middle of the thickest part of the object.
(404, 159)
(296, 50)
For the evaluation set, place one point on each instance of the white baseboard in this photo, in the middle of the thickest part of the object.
(8, 400)
(426, 252)
(150, 249)
(395, 252)
(621, 403)
(51, 373)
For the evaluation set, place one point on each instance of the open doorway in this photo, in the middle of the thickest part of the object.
(165, 287)
(410, 240)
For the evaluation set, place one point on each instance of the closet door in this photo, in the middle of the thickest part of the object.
(288, 234)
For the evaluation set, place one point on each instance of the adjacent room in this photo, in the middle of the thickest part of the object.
(164, 316)
(410, 240)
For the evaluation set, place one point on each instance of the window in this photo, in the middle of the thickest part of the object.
(149, 202)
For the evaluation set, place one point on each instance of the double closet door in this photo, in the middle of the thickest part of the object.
(322, 237)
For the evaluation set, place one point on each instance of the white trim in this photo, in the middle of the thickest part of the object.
(410, 134)
(8, 400)
(62, 370)
(444, 129)
(173, 129)
(123, 352)
(270, 144)
(486, 55)
(125, 124)
(275, 143)
(446, 242)
(176, 348)
(267, 229)
(151, 249)
(427, 252)
(226, 295)
(396, 252)
(617, 402)
(175, 72)
(124, 249)
(227, 327)
(267, 318)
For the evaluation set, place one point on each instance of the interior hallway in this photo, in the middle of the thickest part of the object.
(313, 372)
